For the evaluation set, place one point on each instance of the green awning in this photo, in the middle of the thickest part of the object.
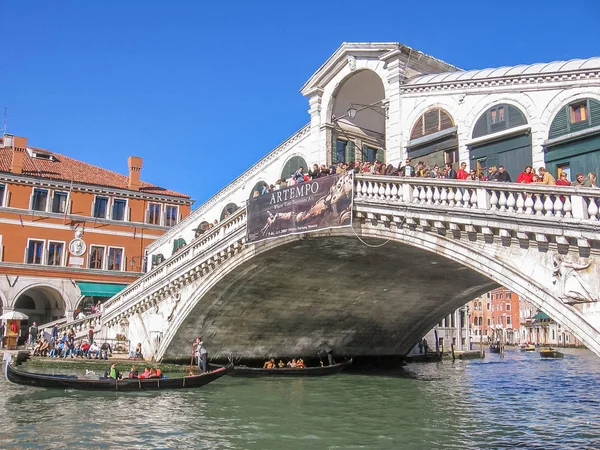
(540, 316)
(100, 289)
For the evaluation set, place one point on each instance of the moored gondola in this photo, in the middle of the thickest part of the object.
(18, 376)
(551, 353)
(245, 371)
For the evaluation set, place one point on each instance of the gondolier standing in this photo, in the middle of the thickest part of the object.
(201, 354)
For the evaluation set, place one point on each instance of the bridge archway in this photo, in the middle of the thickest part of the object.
(208, 311)
(229, 209)
(358, 114)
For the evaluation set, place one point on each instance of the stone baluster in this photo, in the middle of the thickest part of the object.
(475, 197)
(429, 195)
(436, 195)
(458, 196)
(592, 208)
(466, 198)
(369, 189)
(444, 195)
(520, 202)
(502, 201)
(415, 194)
(494, 201)
(558, 206)
(549, 206)
(511, 202)
(538, 206)
(422, 194)
(529, 204)
(567, 207)
(451, 196)
(382, 191)
(394, 192)
(388, 191)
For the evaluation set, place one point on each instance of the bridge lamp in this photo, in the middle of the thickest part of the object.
(352, 112)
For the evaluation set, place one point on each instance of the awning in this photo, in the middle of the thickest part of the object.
(99, 289)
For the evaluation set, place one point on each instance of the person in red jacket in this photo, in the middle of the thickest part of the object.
(526, 176)
(563, 180)
(462, 174)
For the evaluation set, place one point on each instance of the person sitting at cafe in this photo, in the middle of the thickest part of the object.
(270, 364)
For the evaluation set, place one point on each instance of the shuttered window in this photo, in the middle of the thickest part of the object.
(293, 164)
(431, 122)
(576, 116)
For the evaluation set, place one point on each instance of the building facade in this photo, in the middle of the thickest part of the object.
(72, 234)
(495, 316)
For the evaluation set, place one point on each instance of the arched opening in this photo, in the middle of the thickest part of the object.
(358, 119)
(229, 209)
(292, 165)
(201, 228)
(259, 189)
(433, 139)
(496, 147)
(41, 304)
(572, 154)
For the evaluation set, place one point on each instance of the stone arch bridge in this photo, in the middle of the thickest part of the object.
(417, 250)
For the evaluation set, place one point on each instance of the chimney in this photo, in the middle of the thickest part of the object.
(135, 167)
(18, 154)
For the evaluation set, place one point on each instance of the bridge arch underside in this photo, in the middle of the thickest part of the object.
(360, 300)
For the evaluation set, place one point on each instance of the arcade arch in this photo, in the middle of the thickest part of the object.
(433, 138)
(358, 116)
(42, 304)
(229, 209)
(293, 164)
(493, 147)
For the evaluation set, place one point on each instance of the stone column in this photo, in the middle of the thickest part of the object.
(394, 131)
(317, 141)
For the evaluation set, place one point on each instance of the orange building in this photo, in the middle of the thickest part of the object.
(72, 234)
(495, 312)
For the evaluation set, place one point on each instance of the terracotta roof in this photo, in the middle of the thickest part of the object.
(64, 168)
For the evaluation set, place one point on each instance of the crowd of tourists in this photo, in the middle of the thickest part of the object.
(294, 363)
(54, 346)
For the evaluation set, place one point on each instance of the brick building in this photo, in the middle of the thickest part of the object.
(71, 233)
(495, 312)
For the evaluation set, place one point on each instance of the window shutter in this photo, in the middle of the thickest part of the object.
(380, 156)
(146, 215)
(481, 128)
(560, 124)
(350, 153)
(128, 215)
(365, 154)
(93, 207)
(594, 112)
(417, 130)
(31, 199)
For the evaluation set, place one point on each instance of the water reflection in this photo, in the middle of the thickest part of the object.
(515, 401)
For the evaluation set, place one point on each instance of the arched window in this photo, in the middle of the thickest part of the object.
(229, 209)
(201, 228)
(576, 116)
(293, 164)
(258, 189)
(498, 118)
(178, 244)
(431, 122)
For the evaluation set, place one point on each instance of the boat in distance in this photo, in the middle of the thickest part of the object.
(246, 371)
(551, 353)
(527, 347)
(17, 376)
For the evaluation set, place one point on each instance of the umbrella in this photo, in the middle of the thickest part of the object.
(13, 315)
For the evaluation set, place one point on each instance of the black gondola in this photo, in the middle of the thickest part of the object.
(245, 371)
(18, 376)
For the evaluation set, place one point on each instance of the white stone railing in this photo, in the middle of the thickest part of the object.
(520, 199)
(81, 325)
(180, 260)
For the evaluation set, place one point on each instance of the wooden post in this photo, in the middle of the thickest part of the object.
(452, 348)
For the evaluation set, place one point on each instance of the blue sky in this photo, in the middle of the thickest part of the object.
(202, 90)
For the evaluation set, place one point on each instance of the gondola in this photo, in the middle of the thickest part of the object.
(495, 348)
(245, 371)
(18, 376)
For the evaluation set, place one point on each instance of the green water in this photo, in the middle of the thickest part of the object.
(518, 401)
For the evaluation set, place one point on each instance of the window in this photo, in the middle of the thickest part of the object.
(508, 295)
(489, 322)
(170, 215)
(229, 209)
(578, 112)
(101, 207)
(59, 202)
(35, 252)
(178, 244)
(118, 209)
(115, 258)
(157, 259)
(340, 151)
(372, 154)
(153, 214)
(497, 115)
(499, 307)
(508, 306)
(40, 200)
(488, 295)
(96, 258)
(55, 253)
(451, 156)
(2, 194)
(431, 122)
(293, 164)
(487, 306)
(507, 320)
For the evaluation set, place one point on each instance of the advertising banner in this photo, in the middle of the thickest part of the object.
(309, 206)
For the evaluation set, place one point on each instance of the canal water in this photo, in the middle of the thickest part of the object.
(515, 401)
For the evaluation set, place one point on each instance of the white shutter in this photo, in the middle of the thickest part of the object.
(128, 210)
(31, 199)
(93, 207)
(146, 215)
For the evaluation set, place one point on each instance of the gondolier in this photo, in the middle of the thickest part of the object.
(201, 354)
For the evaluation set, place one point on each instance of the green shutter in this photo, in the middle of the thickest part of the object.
(350, 153)
(334, 159)
(365, 150)
(380, 155)
(560, 124)
(481, 127)
(594, 112)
